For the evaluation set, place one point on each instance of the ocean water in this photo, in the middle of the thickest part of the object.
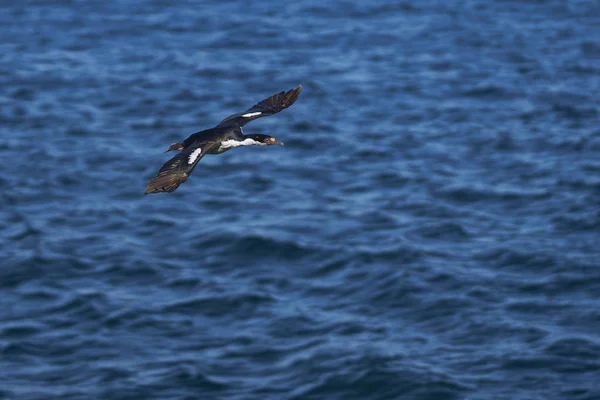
(431, 230)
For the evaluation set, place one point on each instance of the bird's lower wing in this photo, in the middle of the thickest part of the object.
(176, 171)
(269, 106)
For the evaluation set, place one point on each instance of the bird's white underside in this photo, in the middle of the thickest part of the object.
(228, 144)
(251, 114)
(194, 155)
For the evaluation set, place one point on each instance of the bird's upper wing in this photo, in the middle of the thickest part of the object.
(269, 106)
(176, 171)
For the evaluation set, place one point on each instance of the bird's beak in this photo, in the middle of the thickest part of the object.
(273, 141)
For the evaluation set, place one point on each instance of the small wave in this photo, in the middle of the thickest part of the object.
(186, 95)
(532, 260)
(575, 112)
(576, 347)
(535, 307)
(585, 221)
(24, 94)
(250, 246)
(20, 330)
(180, 378)
(272, 353)
(480, 193)
(375, 376)
(216, 306)
(488, 92)
(90, 306)
(441, 231)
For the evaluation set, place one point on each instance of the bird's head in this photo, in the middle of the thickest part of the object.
(175, 146)
(266, 139)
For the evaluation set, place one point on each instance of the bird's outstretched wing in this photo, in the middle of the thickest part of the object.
(176, 171)
(269, 106)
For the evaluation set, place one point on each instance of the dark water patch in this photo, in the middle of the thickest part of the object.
(580, 348)
(88, 306)
(425, 208)
(505, 141)
(396, 292)
(29, 266)
(551, 364)
(488, 92)
(575, 283)
(261, 247)
(441, 231)
(272, 353)
(471, 194)
(580, 394)
(534, 307)
(442, 314)
(22, 231)
(155, 223)
(483, 293)
(590, 49)
(493, 331)
(580, 182)
(20, 331)
(399, 255)
(573, 112)
(584, 222)
(180, 380)
(379, 220)
(185, 283)
(221, 306)
(532, 259)
(25, 94)
(390, 178)
(524, 363)
(290, 326)
(40, 295)
(377, 376)
(110, 375)
(127, 317)
(330, 267)
(28, 349)
(137, 271)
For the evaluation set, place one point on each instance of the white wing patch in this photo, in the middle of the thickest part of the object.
(251, 114)
(194, 155)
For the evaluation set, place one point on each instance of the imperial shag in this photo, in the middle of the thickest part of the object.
(225, 136)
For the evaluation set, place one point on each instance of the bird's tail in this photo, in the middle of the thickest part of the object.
(166, 183)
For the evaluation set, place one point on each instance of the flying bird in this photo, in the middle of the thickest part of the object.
(225, 136)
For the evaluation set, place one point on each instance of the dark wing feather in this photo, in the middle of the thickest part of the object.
(176, 171)
(269, 106)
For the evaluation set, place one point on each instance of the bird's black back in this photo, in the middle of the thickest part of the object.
(216, 134)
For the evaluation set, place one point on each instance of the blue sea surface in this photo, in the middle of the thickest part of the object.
(431, 229)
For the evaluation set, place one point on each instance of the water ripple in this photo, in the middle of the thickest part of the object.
(428, 231)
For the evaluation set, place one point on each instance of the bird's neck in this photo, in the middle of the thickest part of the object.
(246, 141)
